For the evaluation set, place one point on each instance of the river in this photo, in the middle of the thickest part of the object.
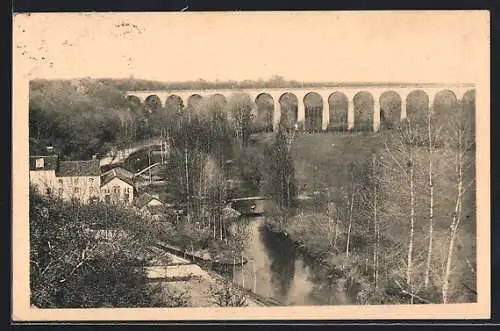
(276, 269)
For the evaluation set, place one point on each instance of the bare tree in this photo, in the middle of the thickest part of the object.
(351, 209)
(404, 158)
(240, 107)
(280, 174)
(223, 294)
(432, 135)
(332, 212)
(239, 237)
(461, 147)
(375, 213)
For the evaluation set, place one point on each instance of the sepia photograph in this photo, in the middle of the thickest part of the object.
(251, 165)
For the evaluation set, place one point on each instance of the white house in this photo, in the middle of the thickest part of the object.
(43, 172)
(66, 179)
(117, 186)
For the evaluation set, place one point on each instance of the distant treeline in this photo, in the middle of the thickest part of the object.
(136, 84)
(83, 117)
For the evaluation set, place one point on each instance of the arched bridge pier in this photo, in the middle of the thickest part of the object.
(363, 106)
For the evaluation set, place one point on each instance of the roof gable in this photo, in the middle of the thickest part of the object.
(78, 168)
(146, 198)
(119, 173)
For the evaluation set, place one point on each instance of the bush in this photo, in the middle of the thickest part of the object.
(71, 268)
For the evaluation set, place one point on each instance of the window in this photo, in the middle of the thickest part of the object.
(107, 198)
(91, 181)
(116, 190)
(60, 191)
(39, 163)
(60, 182)
(75, 180)
(126, 197)
(76, 190)
(48, 191)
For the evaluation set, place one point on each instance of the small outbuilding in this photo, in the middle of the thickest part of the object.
(117, 186)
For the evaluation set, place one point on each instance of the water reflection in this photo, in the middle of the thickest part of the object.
(282, 256)
(276, 269)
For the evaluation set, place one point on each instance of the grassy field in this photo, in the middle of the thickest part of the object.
(322, 159)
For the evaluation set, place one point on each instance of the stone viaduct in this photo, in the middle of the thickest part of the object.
(376, 94)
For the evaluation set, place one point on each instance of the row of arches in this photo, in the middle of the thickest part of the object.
(335, 111)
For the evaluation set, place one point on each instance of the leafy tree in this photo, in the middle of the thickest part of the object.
(70, 267)
(78, 117)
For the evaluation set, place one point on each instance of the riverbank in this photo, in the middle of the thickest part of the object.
(331, 267)
(184, 275)
(352, 274)
(198, 283)
(204, 256)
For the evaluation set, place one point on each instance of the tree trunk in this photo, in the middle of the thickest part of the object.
(330, 231)
(242, 273)
(375, 222)
(431, 204)
(288, 191)
(455, 222)
(335, 236)
(149, 164)
(187, 180)
(409, 268)
(214, 225)
(376, 253)
(220, 227)
(200, 193)
(350, 226)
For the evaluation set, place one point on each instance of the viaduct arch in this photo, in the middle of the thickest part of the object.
(381, 104)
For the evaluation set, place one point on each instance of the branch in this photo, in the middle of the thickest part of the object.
(47, 267)
(394, 159)
(469, 288)
(467, 187)
(469, 264)
(84, 258)
(411, 294)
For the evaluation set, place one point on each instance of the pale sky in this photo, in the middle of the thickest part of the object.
(305, 46)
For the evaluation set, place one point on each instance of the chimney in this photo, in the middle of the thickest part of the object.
(39, 163)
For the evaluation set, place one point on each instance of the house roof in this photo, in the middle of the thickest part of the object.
(123, 172)
(120, 173)
(49, 162)
(144, 199)
(230, 213)
(157, 210)
(78, 168)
